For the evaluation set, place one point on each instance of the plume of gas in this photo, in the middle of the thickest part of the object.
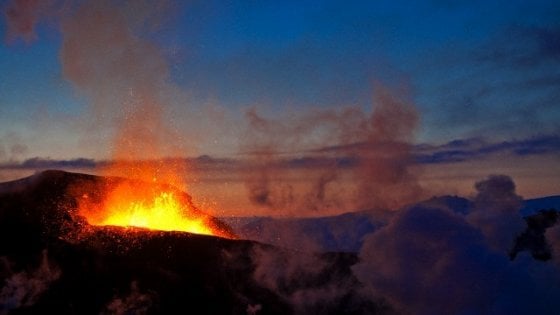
(496, 212)
(358, 160)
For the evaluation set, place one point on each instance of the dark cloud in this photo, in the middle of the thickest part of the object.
(46, 163)
(477, 148)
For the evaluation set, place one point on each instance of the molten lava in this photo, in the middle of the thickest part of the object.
(163, 212)
(150, 206)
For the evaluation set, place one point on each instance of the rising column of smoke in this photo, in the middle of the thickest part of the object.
(383, 173)
(107, 56)
(259, 182)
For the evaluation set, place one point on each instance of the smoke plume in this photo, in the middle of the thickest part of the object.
(496, 212)
(107, 55)
(367, 158)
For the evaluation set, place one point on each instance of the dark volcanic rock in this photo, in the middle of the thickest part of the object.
(53, 262)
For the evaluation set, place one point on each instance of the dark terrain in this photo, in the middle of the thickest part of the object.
(52, 261)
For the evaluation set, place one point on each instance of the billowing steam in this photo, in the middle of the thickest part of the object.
(24, 288)
(368, 160)
(431, 260)
(496, 212)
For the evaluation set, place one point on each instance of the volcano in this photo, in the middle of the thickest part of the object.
(52, 260)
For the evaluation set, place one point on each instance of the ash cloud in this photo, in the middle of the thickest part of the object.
(476, 148)
(23, 289)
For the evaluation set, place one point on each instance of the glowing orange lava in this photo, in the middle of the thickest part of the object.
(163, 212)
(150, 206)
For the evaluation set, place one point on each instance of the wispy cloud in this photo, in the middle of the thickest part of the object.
(476, 148)
(455, 151)
(47, 163)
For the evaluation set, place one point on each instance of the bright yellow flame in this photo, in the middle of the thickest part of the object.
(165, 212)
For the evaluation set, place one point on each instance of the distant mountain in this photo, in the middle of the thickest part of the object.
(346, 232)
(532, 206)
(343, 232)
(53, 262)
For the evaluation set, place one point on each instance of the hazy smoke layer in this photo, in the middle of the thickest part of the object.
(368, 159)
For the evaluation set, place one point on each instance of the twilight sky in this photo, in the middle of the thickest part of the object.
(483, 75)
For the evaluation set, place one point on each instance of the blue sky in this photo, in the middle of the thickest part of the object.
(475, 69)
